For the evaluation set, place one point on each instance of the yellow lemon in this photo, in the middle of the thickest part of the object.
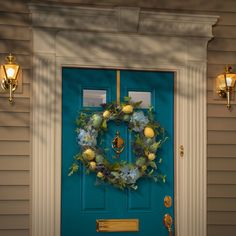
(127, 109)
(106, 114)
(92, 165)
(151, 156)
(89, 154)
(144, 168)
(100, 174)
(149, 132)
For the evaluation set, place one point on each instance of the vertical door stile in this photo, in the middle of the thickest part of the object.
(118, 87)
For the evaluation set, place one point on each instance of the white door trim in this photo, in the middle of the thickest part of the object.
(119, 37)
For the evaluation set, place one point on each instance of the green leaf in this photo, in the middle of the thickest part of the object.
(74, 168)
(164, 178)
(153, 164)
(127, 99)
(151, 172)
(104, 124)
(137, 104)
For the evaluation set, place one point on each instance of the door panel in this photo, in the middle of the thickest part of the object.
(82, 201)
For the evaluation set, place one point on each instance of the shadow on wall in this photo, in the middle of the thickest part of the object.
(111, 49)
(15, 37)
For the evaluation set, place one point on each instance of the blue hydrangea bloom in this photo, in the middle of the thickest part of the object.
(129, 175)
(87, 137)
(139, 121)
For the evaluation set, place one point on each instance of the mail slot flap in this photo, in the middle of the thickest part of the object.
(117, 225)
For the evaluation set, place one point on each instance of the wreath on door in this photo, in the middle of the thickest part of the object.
(148, 139)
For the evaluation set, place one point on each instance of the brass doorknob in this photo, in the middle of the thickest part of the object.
(168, 221)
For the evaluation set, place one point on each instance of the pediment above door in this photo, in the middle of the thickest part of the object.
(120, 37)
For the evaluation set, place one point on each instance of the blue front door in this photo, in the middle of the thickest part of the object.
(83, 202)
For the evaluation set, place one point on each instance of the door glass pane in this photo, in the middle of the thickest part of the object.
(145, 97)
(94, 98)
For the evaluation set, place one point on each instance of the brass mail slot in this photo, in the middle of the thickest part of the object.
(117, 225)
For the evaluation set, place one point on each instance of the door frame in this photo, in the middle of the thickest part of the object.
(68, 41)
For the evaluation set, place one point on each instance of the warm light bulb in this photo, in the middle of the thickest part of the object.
(228, 81)
(10, 73)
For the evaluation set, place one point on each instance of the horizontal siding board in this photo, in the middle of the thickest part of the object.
(222, 218)
(221, 151)
(221, 137)
(14, 119)
(14, 133)
(16, 46)
(14, 192)
(221, 124)
(222, 164)
(222, 44)
(222, 177)
(24, 92)
(14, 207)
(217, 57)
(15, 33)
(224, 32)
(19, 6)
(17, 19)
(223, 191)
(14, 221)
(19, 177)
(211, 83)
(13, 148)
(26, 76)
(14, 232)
(221, 204)
(201, 5)
(219, 230)
(20, 105)
(220, 110)
(14, 163)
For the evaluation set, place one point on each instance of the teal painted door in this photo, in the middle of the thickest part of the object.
(82, 202)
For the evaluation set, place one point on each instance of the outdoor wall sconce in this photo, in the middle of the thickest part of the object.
(9, 74)
(225, 85)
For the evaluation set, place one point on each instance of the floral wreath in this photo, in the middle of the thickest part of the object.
(148, 138)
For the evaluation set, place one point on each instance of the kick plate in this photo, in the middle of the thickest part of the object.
(117, 225)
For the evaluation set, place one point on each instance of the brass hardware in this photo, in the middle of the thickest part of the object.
(168, 201)
(168, 221)
(225, 83)
(118, 87)
(9, 73)
(181, 150)
(118, 144)
(117, 225)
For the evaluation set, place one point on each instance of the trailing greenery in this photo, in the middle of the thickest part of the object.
(148, 137)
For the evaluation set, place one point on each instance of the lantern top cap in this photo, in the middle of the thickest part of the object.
(228, 69)
(10, 59)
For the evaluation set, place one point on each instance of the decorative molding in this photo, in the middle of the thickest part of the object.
(128, 19)
(43, 150)
(143, 49)
(121, 19)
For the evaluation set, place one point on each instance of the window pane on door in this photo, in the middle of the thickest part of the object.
(137, 96)
(94, 98)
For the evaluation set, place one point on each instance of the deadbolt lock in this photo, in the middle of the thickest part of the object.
(168, 201)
